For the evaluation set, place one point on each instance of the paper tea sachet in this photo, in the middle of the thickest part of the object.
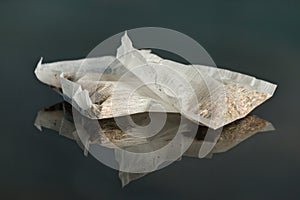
(137, 81)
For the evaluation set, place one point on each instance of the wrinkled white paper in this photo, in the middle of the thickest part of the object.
(192, 87)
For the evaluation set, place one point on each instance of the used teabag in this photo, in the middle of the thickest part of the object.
(137, 81)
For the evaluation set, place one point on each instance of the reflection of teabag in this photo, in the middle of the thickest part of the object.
(59, 118)
(124, 138)
(233, 134)
(97, 87)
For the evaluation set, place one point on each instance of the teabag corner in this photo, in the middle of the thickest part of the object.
(211, 96)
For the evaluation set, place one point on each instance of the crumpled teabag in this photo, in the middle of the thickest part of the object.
(102, 87)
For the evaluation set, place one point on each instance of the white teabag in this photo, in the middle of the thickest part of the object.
(137, 81)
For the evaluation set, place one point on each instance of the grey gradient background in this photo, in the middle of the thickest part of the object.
(260, 38)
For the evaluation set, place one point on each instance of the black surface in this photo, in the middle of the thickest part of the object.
(255, 37)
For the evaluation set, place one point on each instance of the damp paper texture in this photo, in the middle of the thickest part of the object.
(136, 81)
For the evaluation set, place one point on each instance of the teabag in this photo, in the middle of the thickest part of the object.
(211, 96)
(108, 95)
(181, 86)
(216, 97)
(49, 73)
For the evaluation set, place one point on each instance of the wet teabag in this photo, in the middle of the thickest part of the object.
(137, 81)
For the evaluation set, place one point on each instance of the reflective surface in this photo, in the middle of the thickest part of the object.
(257, 38)
(111, 137)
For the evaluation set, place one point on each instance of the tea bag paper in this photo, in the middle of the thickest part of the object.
(103, 87)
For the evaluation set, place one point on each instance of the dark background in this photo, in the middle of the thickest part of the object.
(260, 38)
